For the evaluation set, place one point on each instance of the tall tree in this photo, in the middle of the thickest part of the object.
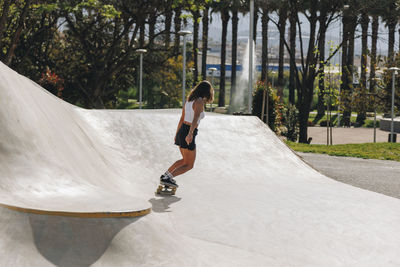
(325, 9)
(225, 18)
(196, 19)
(168, 22)
(292, 41)
(204, 40)
(235, 22)
(282, 13)
(3, 20)
(264, 49)
(177, 28)
(223, 7)
(349, 21)
(307, 73)
(374, 41)
(17, 33)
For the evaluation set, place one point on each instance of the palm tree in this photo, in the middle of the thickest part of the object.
(168, 23)
(374, 41)
(196, 16)
(390, 16)
(349, 22)
(204, 39)
(292, 42)
(283, 14)
(265, 9)
(177, 28)
(223, 8)
(327, 10)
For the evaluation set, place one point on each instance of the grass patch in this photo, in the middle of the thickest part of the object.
(383, 151)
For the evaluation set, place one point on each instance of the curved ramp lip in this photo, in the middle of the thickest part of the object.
(96, 214)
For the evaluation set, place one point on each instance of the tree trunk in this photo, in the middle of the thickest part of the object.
(349, 62)
(3, 20)
(142, 29)
(392, 29)
(374, 41)
(204, 44)
(152, 27)
(282, 29)
(177, 26)
(196, 16)
(306, 92)
(168, 24)
(17, 34)
(225, 19)
(304, 113)
(235, 21)
(255, 23)
(364, 49)
(321, 70)
(264, 57)
(292, 43)
(361, 115)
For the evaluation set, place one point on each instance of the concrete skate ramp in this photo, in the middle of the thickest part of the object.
(249, 201)
(51, 161)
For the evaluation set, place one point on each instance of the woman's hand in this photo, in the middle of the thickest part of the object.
(189, 138)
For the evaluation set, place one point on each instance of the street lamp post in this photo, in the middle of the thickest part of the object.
(394, 72)
(141, 52)
(251, 53)
(184, 33)
(212, 82)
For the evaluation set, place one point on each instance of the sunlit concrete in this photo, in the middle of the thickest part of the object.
(249, 201)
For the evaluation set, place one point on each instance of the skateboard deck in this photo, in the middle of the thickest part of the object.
(166, 190)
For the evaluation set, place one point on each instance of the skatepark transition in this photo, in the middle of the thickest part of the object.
(77, 187)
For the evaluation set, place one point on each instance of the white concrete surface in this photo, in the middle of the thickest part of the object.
(249, 201)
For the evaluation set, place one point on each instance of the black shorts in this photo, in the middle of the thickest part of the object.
(181, 135)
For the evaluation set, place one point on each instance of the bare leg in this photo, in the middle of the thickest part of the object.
(189, 156)
(177, 163)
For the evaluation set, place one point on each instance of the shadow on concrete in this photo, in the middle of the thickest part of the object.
(69, 241)
(163, 204)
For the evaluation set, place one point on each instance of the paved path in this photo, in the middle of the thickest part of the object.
(346, 135)
(382, 176)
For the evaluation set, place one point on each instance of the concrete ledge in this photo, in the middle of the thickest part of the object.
(385, 125)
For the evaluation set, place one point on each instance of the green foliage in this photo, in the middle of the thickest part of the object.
(126, 99)
(370, 124)
(384, 88)
(290, 123)
(274, 106)
(167, 83)
(385, 151)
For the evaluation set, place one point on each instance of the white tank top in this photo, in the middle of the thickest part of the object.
(189, 113)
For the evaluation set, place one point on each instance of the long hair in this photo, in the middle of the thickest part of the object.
(203, 89)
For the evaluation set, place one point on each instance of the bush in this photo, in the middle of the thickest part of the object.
(274, 106)
(370, 124)
(324, 123)
(290, 125)
(52, 83)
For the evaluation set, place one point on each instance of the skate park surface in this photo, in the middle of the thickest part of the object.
(74, 182)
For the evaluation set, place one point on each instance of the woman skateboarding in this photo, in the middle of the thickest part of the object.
(192, 113)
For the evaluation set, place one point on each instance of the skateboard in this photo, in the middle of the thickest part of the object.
(166, 190)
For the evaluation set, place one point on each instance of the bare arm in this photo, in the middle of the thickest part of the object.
(181, 119)
(198, 107)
